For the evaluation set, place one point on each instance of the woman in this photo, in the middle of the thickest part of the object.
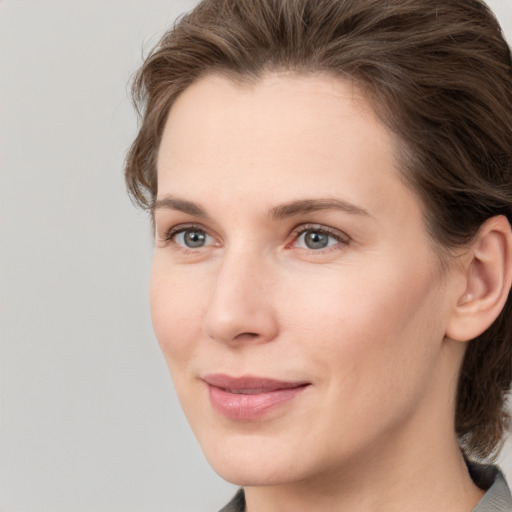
(330, 185)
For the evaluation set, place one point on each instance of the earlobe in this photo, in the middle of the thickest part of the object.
(487, 278)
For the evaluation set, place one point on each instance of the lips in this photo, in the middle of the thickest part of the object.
(248, 397)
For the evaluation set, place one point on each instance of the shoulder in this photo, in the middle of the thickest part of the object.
(490, 479)
(237, 504)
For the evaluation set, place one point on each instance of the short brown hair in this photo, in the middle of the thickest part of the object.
(439, 75)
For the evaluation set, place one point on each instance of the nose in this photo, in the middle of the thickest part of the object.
(241, 309)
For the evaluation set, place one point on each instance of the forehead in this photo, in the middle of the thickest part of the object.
(219, 98)
(281, 138)
(280, 116)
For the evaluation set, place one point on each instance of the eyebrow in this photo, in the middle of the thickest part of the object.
(181, 205)
(281, 211)
(303, 206)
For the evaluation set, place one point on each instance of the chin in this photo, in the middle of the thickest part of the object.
(254, 461)
(259, 473)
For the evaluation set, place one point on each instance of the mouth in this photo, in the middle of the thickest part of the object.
(248, 397)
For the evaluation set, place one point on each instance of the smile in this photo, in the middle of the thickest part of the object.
(249, 398)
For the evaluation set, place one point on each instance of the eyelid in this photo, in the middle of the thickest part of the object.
(174, 230)
(338, 235)
(169, 234)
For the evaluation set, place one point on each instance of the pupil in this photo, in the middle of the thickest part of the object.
(194, 239)
(316, 240)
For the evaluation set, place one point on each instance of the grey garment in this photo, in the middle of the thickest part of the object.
(497, 498)
(237, 504)
(489, 478)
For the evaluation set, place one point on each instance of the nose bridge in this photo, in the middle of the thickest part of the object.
(240, 307)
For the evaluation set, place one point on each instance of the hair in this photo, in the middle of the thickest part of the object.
(437, 73)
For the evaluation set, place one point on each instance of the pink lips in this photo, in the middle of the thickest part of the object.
(247, 398)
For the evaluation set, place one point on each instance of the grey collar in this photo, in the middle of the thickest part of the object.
(489, 478)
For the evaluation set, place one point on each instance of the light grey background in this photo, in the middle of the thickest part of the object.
(88, 417)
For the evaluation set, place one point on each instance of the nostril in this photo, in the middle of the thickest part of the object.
(247, 335)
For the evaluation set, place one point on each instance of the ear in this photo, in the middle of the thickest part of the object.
(487, 274)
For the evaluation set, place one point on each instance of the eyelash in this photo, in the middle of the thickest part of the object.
(182, 228)
(341, 238)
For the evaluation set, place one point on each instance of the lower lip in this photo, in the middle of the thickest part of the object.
(250, 407)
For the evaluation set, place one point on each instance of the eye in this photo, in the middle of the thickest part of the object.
(316, 238)
(190, 238)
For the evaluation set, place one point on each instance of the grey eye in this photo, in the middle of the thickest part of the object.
(316, 239)
(192, 238)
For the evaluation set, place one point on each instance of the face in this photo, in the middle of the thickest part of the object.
(295, 293)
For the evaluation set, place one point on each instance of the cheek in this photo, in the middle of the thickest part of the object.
(372, 342)
(176, 312)
(367, 324)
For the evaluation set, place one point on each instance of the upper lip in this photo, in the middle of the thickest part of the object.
(250, 382)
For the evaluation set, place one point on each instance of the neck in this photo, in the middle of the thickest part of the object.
(417, 466)
(424, 480)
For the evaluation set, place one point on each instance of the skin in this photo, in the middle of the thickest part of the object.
(364, 321)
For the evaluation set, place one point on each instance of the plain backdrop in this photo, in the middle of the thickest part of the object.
(88, 417)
